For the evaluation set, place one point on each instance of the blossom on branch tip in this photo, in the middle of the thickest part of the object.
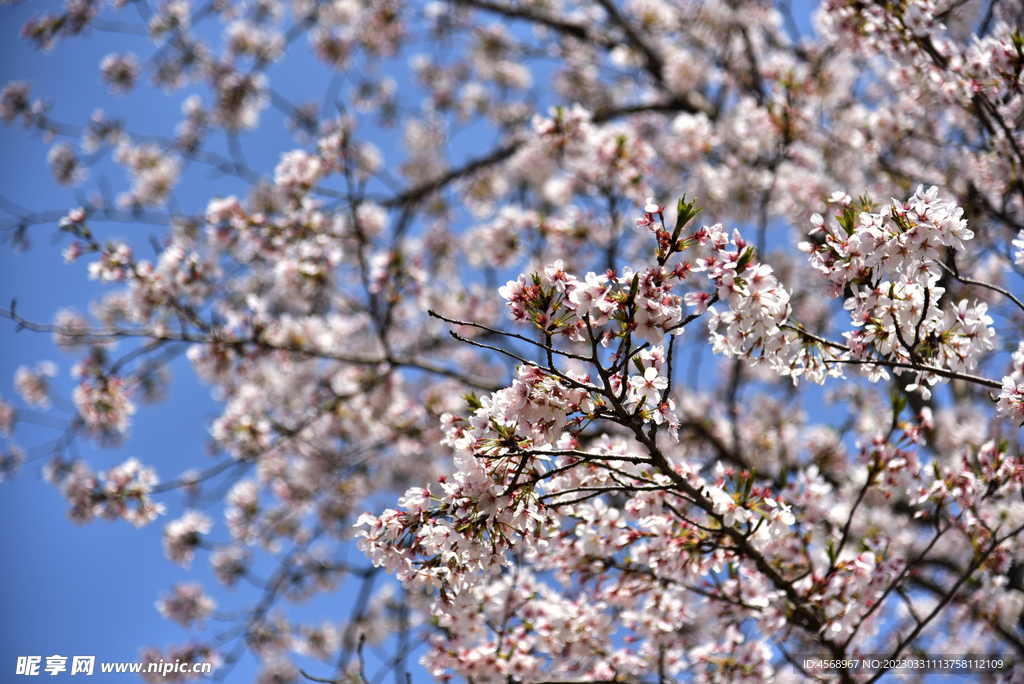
(646, 389)
(1011, 400)
(186, 604)
(183, 536)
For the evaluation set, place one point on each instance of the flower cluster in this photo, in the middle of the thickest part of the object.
(120, 71)
(1011, 400)
(641, 304)
(122, 493)
(34, 385)
(182, 536)
(891, 260)
(186, 604)
(467, 542)
(104, 405)
(755, 324)
(154, 173)
(67, 168)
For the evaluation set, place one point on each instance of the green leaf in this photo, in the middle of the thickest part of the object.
(472, 401)
(900, 221)
(899, 402)
(745, 259)
(866, 204)
(848, 220)
(686, 212)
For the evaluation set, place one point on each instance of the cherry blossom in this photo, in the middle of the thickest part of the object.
(182, 536)
(33, 385)
(186, 604)
(477, 373)
(120, 71)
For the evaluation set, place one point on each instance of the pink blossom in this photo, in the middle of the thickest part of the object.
(34, 385)
(186, 604)
(1011, 400)
(182, 536)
